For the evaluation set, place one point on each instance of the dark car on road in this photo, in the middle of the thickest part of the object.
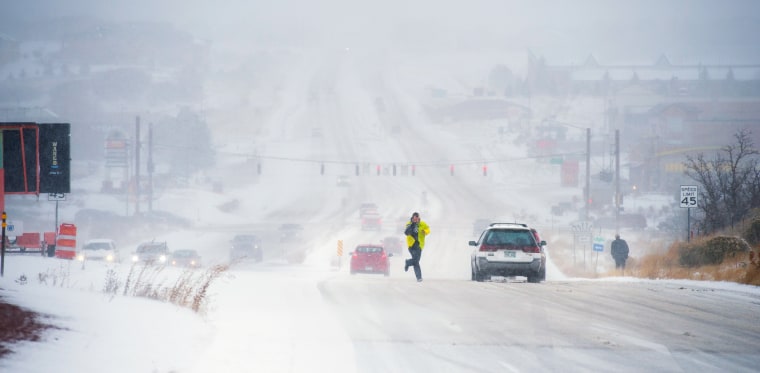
(367, 208)
(372, 222)
(187, 258)
(151, 253)
(290, 232)
(393, 244)
(370, 258)
(246, 246)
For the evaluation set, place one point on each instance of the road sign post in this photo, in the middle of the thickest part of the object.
(598, 248)
(582, 234)
(689, 199)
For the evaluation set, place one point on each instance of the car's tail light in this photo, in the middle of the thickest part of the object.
(531, 249)
(485, 247)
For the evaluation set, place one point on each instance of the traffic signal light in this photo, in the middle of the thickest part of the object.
(485, 170)
(413, 169)
(357, 170)
(322, 169)
(378, 170)
(451, 169)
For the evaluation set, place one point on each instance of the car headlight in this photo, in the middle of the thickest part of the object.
(109, 258)
(80, 257)
(135, 258)
(162, 259)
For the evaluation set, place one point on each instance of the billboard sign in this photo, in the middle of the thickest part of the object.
(19, 142)
(55, 158)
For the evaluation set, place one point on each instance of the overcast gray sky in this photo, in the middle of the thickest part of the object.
(690, 27)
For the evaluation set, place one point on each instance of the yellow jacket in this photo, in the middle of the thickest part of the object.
(424, 231)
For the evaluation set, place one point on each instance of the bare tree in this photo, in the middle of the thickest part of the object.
(730, 182)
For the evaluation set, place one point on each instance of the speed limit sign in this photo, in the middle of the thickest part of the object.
(689, 196)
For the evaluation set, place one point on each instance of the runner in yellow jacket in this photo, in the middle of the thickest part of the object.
(416, 231)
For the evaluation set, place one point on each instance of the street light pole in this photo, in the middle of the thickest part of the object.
(617, 181)
(587, 196)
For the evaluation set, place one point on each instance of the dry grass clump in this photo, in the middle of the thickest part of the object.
(656, 266)
(55, 277)
(189, 290)
(753, 268)
(721, 258)
(711, 251)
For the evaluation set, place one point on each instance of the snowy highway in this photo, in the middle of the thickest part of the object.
(294, 319)
(451, 325)
(317, 316)
(348, 112)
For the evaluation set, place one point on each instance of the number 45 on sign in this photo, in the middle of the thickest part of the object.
(689, 196)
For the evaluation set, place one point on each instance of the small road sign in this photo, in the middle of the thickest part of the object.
(598, 244)
(56, 196)
(689, 196)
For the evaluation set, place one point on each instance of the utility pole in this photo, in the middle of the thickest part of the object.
(617, 181)
(150, 167)
(587, 196)
(137, 166)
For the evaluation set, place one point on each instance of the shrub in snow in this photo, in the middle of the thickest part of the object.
(710, 251)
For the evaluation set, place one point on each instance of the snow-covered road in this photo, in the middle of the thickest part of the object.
(277, 316)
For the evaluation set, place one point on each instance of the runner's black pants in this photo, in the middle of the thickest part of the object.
(415, 260)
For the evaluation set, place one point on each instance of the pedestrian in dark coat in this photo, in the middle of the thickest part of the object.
(619, 251)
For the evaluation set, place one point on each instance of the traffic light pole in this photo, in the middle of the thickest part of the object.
(617, 181)
(2, 175)
(2, 250)
(588, 173)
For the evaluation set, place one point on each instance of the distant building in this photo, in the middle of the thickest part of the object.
(664, 111)
(663, 136)
(662, 78)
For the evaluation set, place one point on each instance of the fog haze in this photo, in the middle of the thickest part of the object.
(202, 125)
(624, 30)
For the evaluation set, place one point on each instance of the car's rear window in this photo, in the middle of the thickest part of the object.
(369, 249)
(509, 237)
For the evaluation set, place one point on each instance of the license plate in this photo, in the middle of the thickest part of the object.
(510, 254)
(367, 268)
